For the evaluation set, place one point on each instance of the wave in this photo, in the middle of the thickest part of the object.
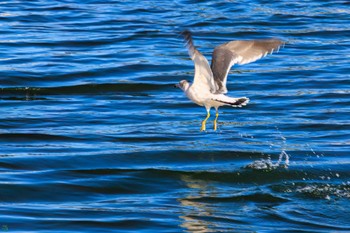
(84, 89)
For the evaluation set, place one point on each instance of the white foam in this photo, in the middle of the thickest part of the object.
(267, 164)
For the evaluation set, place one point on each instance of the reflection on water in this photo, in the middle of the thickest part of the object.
(194, 212)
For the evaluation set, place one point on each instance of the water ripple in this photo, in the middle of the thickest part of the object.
(94, 137)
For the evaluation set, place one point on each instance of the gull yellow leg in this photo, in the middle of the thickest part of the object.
(216, 120)
(205, 121)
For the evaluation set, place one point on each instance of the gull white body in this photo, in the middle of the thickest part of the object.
(201, 95)
(204, 97)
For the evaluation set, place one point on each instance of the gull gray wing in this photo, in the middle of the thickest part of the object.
(238, 52)
(203, 75)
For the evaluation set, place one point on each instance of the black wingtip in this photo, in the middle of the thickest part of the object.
(187, 37)
(186, 33)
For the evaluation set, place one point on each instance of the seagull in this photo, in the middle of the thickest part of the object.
(209, 84)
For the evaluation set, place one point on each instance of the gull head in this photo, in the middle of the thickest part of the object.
(183, 85)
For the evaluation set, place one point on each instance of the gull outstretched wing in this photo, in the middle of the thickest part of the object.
(203, 75)
(238, 52)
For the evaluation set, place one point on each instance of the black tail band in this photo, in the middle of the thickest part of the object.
(237, 103)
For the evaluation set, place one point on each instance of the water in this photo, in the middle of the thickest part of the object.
(94, 138)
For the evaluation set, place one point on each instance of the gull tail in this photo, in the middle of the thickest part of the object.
(234, 102)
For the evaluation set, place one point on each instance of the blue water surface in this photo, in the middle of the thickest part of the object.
(95, 138)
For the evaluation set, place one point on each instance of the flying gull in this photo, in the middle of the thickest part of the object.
(209, 84)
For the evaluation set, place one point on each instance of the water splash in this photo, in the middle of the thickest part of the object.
(313, 151)
(280, 158)
(268, 164)
(326, 191)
